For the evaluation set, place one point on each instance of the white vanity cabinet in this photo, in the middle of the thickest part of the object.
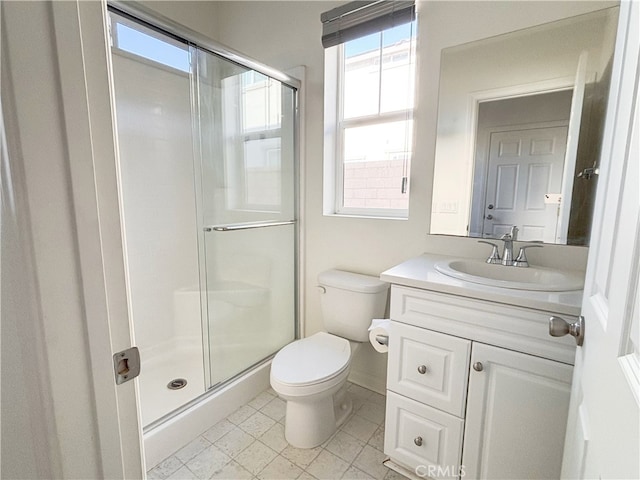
(475, 389)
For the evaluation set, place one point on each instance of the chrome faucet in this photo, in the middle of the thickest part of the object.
(521, 259)
(508, 238)
(507, 256)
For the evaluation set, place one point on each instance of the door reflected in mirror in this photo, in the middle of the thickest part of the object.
(520, 121)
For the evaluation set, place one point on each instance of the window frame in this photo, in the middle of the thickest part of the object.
(335, 126)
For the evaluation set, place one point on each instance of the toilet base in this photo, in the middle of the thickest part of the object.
(309, 424)
(342, 405)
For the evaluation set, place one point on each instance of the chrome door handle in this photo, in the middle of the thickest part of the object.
(559, 327)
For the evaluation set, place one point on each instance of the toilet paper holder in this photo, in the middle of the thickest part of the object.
(382, 339)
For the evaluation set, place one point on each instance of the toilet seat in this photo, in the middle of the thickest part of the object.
(319, 359)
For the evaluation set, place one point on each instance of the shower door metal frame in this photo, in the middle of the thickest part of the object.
(161, 23)
(194, 39)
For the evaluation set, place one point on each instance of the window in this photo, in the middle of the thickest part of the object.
(253, 141)
(133, 38)
(369, 98)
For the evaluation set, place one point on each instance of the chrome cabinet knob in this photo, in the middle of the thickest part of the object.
(489, 217)
(478, 366)
(418, 441)
(559, 327)
(422, 369)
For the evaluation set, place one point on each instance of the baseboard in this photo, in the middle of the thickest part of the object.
(372, 382)
(402, 470)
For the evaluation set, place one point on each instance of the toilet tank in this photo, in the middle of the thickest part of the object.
(349, 301)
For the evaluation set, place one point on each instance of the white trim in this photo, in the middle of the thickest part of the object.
(85, 69)
(513, 91)
(474, 99)
(571, 154)
(330, 130)
(369, 381)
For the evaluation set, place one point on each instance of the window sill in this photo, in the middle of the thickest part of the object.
(359, 216)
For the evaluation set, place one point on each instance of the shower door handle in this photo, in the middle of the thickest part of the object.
(245, 226)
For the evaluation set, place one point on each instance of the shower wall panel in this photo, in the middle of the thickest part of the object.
(156, 149)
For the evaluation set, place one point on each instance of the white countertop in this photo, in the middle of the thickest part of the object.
(420, 272)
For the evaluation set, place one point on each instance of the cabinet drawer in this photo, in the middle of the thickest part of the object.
(429, 367)
(423, 439)
(507, 326)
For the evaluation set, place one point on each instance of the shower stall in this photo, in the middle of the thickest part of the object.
(208, 186)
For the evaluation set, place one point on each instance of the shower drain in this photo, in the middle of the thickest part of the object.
(177, 384)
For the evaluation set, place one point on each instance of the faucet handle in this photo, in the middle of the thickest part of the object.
(521, 259)
(494, 257)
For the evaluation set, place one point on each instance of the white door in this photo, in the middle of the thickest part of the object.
(524, 166)
(604, 417)
(516, 415)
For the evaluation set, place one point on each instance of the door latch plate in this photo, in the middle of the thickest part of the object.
(126, 365)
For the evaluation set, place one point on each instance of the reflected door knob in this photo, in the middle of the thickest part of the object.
(559, 327)
(489, 217)
(490, 207)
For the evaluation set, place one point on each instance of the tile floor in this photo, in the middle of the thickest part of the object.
(250, 444)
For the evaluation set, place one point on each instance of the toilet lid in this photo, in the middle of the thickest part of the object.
(311, 360)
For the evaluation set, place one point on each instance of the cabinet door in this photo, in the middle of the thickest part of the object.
(517, 409)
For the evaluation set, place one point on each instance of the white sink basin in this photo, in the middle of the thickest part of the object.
(518, 278)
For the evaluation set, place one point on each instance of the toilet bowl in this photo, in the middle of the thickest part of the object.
(308, 374)
(311, 374)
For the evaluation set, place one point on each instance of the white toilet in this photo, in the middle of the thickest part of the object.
(311, 373)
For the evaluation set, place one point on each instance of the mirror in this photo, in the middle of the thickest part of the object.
(520, 119)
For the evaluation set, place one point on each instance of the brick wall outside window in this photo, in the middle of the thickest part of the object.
(374, 184)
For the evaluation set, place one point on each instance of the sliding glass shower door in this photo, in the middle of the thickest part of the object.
(245, 131)
(208, 187)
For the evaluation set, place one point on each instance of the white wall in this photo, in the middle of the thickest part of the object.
(201, 16)
(286, 34)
